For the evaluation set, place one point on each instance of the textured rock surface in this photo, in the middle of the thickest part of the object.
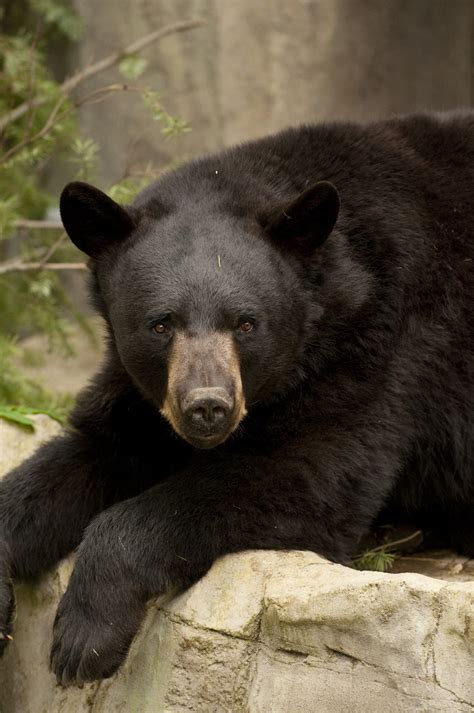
(263, 632)
(255, 67)
(18, 442)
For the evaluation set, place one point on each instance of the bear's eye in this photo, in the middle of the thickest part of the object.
(246, 326)
(162, 325)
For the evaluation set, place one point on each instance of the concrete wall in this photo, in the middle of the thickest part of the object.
(256, 67)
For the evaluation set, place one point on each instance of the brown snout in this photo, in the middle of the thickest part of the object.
(204, 401)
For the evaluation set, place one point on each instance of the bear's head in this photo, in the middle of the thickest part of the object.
(209, 306)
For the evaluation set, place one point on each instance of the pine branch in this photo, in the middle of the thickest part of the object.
(393, 545)
(44, 131)
(68, 86)
(92, 98)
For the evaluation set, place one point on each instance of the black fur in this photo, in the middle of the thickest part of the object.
(358, 374)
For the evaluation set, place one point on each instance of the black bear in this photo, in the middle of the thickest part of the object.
(290, 351)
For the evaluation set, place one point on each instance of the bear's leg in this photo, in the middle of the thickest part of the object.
(168, 537)
(47, 501)
(45, 505)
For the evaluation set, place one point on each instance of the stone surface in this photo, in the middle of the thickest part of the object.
(263, 632)
(441, 564)
(255, 67)
(18, 442)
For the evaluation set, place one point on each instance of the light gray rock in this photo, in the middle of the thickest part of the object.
(263, 632)
(18, 442)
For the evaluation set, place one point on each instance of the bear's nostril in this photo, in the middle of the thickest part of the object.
(207, 412)
(198, 415)
(219, 414)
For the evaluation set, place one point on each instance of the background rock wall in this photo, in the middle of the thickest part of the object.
(255, 67)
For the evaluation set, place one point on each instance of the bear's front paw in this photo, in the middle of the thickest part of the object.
(92, 635)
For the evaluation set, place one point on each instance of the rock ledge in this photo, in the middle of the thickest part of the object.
(263, 632)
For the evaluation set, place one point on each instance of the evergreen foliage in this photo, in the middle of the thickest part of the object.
(39, 130)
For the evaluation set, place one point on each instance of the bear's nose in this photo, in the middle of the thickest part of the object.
(207, 410)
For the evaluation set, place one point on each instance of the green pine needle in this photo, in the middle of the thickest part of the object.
(375, 560)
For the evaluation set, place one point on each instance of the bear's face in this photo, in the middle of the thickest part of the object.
(206, 319)
(209, 314)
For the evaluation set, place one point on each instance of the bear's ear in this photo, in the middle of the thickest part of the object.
(308, 221)
(92, 220)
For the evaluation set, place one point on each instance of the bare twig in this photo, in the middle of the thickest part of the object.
(102, 93)
(412, 537)
(38, 224)
(42, 225)
(70, 84)
(20, 266)
(92, 98)
(50, 252)
(394, 544)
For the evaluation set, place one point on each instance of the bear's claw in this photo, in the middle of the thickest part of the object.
(7, 603)
(89, 646)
